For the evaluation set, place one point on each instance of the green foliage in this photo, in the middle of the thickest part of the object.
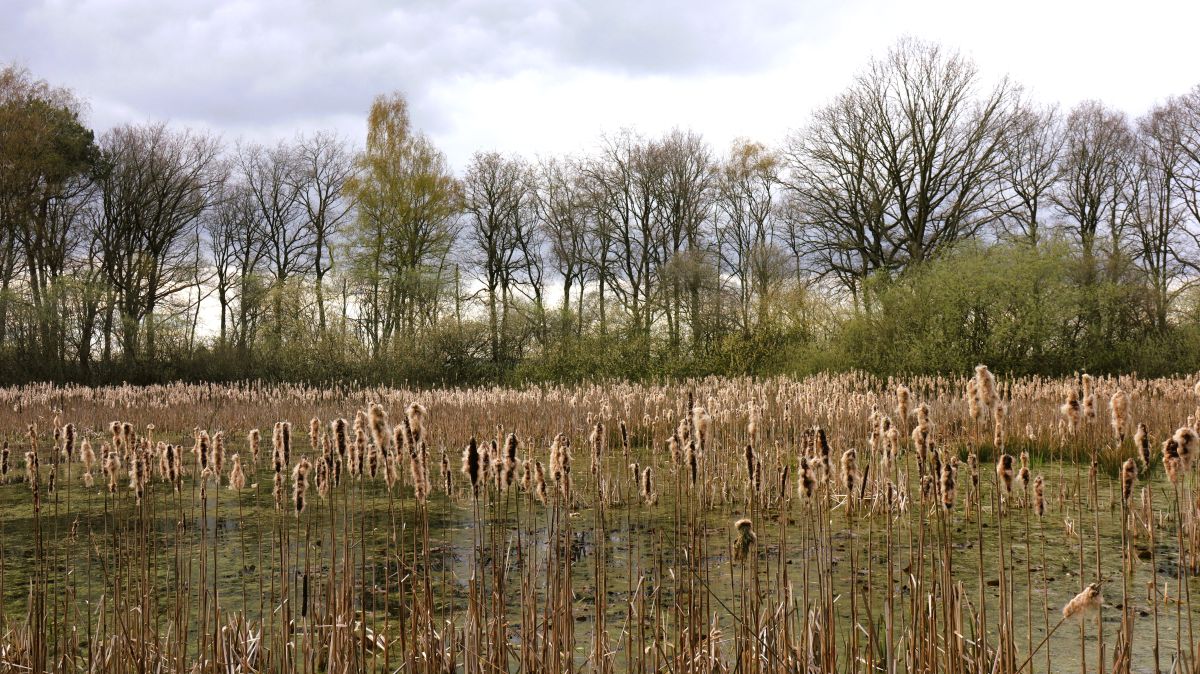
(1020, 309)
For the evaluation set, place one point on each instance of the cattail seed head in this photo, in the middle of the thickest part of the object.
(849, 471)
(416, 414)
(237, 478)
(1118, 407)
(744, 539)
(1128, 475)
(300, 484)
(1141, 440)
(1004, 472)
(470, 464)
(255, 440)
(1086, 602)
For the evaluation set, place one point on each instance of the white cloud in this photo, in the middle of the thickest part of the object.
(536, 76)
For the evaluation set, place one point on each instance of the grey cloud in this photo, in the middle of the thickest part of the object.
(245, 63)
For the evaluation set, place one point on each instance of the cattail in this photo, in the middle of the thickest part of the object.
(417, 471)
(526, 475)
(203, 450)
(447, 480)
(1039, 497)
(564, 467)
(923, 417)
(1171, 460)
(218, 454)
(171, 464)
(255, 439)
(314, 434)
(649, 496)
(165, 458)
(752, 424)
(237, 478)
(127, 437)
(685, 428)
(985, 384)
(1023, 473)
(849, 471)
(416, 420)
(1029, 434)
(689, 457)
(339, 437)
(702, 422)
(806, 482)
(1118, 407)
(1089, 398)
(4, 451)
(598, 440)
(137, 476)
(673, 450)
(470, 464)
(391, 473)
(358, 450)
(300, 484)
(744, 539)
(400, 438)
(1141, 440)
(920, 443)
(750, 461)
(277, 447)
(322, 478)
(539, 482)
(1084, 603)
(31, 467)
(637, 475)
(947, 484)
(998, 436)
(1186, 442)
(86, 455)
(373, 459)
(1004, 472)
(109, 466)
(486, 452)
(1128, 475)
(277, 491)
(115, 428)
(902, 403)
(378, 419)
(1070, 410)
(68, 438)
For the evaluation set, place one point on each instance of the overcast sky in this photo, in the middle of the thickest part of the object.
(538, 76)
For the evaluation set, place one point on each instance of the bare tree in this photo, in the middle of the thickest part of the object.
(562, 210)
(155, 186)
(1029, 170)
(1160, 236)
(686, 194)
(324, 166)
(900, 166)
(749, 252)
(499, 201)
(1095, 174)
(273, 176)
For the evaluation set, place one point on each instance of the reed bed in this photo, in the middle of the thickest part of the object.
(834, 524)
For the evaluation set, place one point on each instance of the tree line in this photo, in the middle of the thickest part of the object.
(921, 219)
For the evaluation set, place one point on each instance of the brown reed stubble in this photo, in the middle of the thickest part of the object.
(821, 619)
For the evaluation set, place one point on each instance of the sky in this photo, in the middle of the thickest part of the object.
(540, 77)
